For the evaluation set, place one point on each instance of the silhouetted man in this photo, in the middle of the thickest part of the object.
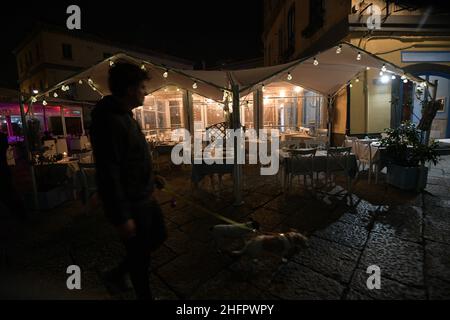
(124, 175)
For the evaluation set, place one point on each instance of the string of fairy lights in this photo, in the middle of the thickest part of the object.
(385, 76)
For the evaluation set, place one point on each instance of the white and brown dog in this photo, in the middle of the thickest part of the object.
(223, 233)
(282, 245)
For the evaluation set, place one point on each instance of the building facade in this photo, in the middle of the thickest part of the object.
(50, 55)
(411, 34)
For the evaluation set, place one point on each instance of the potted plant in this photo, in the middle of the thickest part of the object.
(406, 157)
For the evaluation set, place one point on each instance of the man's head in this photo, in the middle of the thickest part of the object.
(128, 83)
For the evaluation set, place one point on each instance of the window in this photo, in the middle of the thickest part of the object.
(291, 28)
(67, 51)
(316, 18)
(287, 107)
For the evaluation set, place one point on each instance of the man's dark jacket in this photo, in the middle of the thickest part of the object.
(123, 162)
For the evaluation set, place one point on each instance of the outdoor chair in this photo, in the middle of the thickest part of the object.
(301, 163)
(87, 183)
(365, 157)
(339, 161)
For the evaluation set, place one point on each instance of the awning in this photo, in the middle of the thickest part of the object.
(326, 73)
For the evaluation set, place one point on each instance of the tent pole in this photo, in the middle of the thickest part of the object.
(63, 121)
(29, 156)
(237, 171)
(330, 120)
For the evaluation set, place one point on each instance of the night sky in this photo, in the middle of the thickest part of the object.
(198, 30)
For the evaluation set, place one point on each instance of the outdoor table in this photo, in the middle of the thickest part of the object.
(319, 165)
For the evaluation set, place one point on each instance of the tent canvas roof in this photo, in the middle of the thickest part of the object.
(333, 72)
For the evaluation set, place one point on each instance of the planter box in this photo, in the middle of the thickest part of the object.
(49, 199)
(407, 178)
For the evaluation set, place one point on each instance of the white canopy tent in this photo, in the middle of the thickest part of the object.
(331, 72)
(326, 73)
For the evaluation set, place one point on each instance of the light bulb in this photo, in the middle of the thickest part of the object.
(55, 95)
(315, 62)
(80, 82)
(405, 80)
(357, 79)
(367, 68)
(33, 99)
(384, 79)
(383, 68)
(351, 86)
(297, 89)
(263, 88)
(403, 77)
(358, 57)
(393, 77)
(35, 91)
(289, 76)
(339, 49)
(165, 74)
(195, 85)
(143, 67)
(111, 63)
(381, 73)
(44, 103)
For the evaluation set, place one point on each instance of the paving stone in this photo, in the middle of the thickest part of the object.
(437, 224)
(438, 289)
(181, 242)
(438, 190)
(99, 256)
(162, 256)
(353, 236)
(295, 282)
(329, 258)
(268, 219)
(160, 290)
(404, 222)
(355, 295)
(390, 289)
(226, 285)
(398, 259)
(255, 200)
(200, 229)
(437, 260)
(434, 201)
(362, 215)
(187, 272)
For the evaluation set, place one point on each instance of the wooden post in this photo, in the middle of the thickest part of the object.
(237, 172)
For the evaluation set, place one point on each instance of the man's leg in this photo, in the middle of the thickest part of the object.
(138, 263)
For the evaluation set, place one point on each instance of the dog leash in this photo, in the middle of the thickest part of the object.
(170, 191)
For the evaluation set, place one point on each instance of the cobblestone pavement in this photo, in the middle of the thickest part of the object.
(406, 235)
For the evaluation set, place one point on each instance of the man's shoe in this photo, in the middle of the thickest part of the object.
(117, 282)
